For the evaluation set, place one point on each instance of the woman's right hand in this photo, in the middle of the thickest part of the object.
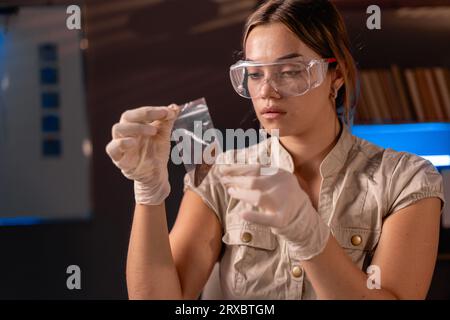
(140, 148)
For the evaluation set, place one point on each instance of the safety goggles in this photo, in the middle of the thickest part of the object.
(288, 78)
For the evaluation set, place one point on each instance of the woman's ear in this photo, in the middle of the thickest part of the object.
(337, 78)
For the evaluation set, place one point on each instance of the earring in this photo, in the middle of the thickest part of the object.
(333, 93)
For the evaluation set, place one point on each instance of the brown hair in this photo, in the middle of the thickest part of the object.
(321, 27)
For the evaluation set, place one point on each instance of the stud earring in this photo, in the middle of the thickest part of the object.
(333, 93)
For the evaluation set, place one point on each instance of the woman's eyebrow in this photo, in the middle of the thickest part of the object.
(288, 56)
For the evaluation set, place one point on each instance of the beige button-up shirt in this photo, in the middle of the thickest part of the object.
(362, 184)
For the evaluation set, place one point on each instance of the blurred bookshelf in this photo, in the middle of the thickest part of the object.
(404, 95)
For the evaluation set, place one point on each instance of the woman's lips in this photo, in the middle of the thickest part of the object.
(272, 113)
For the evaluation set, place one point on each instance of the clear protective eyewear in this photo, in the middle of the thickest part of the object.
(288, 78)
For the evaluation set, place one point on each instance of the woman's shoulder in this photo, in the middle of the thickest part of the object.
(403, 177)
(388, 159)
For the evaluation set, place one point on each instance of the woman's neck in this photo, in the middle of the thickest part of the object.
(309, 149)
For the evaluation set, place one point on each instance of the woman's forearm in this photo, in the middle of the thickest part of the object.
(151, 272)
(334, 276)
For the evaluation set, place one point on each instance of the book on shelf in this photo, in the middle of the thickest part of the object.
(406, 95)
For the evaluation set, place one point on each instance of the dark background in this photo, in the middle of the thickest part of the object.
(159, 52)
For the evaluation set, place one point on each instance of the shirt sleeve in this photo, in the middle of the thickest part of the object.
(210, 190)
(413, 178)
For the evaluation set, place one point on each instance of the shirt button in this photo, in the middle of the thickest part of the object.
(297, 271)
(246, 237)
(356, 240)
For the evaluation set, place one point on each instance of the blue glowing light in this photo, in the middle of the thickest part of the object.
(428, 140)
(20, 221)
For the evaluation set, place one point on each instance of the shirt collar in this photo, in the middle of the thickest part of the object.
(333, 161)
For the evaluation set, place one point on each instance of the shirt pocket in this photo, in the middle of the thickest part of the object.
(358, 243)
(251, 252)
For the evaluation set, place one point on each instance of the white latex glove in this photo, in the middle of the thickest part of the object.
(140, 148)
(285, 207)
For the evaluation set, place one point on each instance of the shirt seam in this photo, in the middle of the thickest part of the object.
(388, 198)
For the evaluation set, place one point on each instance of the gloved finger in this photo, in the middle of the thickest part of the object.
(120, 130)
(239, 169)
(261, 218)
(174, 111)
(149, 114)
(117, 147)
(249, 196)
(165, 126)
(129, 161)
(244, 182)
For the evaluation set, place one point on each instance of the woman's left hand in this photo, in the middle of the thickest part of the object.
(286, 207)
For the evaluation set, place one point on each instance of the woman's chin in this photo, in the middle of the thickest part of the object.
(274, 130)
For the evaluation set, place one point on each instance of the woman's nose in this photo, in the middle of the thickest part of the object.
(268, 90)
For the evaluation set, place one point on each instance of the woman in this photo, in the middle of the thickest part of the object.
(337, 206)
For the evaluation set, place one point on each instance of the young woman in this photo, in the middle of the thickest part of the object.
(337, 206)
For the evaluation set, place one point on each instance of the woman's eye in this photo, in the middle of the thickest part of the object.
(255, 75)
(290, 73)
